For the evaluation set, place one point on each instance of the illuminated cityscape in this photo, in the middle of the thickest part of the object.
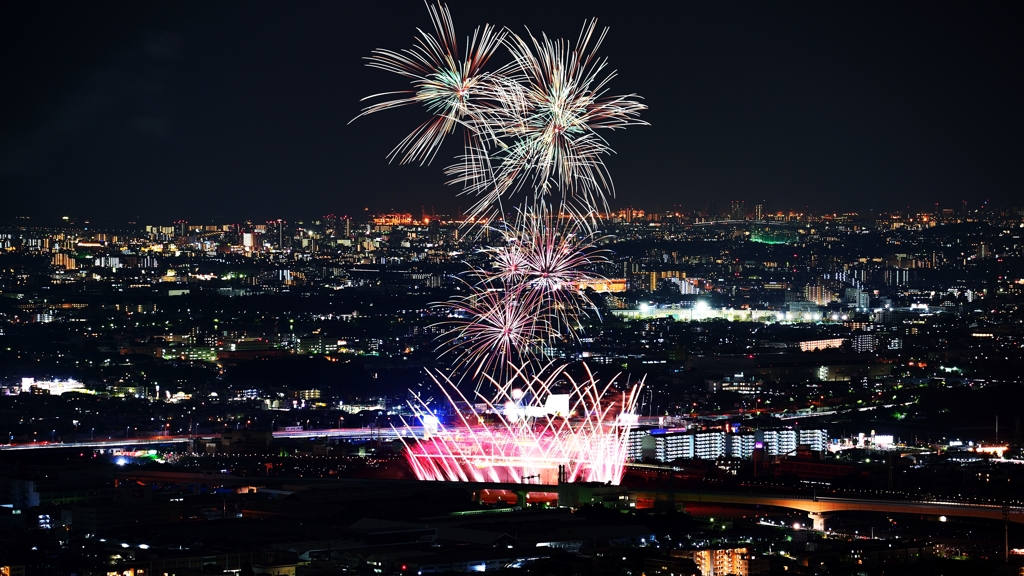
(381, 289)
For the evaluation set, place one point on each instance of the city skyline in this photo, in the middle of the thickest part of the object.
(712, 211)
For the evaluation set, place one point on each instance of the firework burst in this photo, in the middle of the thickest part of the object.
(552, 255)
(544, 137)
(529, 125)
(492, 328)
(540, 424)
(529, 300)
(532, 132)
(454, 90)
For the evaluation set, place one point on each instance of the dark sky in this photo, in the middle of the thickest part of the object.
(220, 111)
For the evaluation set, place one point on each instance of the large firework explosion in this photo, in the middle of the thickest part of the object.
(531, 125)
(531, 144)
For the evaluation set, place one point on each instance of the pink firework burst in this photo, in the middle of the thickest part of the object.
(539, 425)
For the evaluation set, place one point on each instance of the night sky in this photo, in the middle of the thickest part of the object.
(149, 112)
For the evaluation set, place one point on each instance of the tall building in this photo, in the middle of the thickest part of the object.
(733, 561)
(276, 233)
(64, 261)
(864, 342)
(737, 210)
(818, 294)
(897, 277)
(636, 443)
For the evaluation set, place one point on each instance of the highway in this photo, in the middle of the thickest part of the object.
(365, 434)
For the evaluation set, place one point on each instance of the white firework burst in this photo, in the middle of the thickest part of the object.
(453, 89)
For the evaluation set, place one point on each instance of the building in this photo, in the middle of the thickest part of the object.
(808, 309)
(864, 342)
(603, 285)
(816, 439)
(667, 445)
(737, 383)
(709, 445)
(824, 344)
(636, 443)
(51, 387)
(738, 210)
(778, 442)
(729, 561)
(820, 295)
(742, 445)
(857, 298)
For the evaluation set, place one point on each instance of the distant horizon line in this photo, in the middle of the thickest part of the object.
(723, 207)
(365, 215)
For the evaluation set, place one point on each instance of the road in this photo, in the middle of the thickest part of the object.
(109, 443)
(824, 505)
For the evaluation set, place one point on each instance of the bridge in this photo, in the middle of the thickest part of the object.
(819, 507)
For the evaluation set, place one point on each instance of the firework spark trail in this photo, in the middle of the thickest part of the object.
(588, 441)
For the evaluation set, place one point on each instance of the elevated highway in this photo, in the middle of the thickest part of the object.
(819, 507)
